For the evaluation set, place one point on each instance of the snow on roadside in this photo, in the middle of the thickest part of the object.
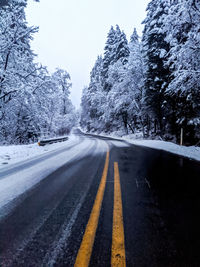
(191, 152)
(17, 153)
(13, 185)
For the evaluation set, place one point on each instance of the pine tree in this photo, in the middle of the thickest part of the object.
(109, 56)
(85, 110)
(116, 49)
(155, 50)
(125, 97)
(134, 37)
(122, 49)
(116, 74)
(93, 103)
(135, 79)
(183, 35)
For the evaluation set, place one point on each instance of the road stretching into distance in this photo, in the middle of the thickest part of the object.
(121, 205)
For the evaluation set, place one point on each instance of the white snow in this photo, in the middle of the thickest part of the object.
(119, 143)
(191, 152)
(17, 153)
(15, 184)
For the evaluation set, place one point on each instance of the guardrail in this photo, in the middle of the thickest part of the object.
(51, 141)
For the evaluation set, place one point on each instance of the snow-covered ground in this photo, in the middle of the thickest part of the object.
(16, 153)
(23, 166)
(192, 152)
(31, 163)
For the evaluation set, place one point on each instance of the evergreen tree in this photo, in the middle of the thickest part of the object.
(115, 75)
(152, 87)
(85, 110)
(116, 49)
(183, 36)
(125, 97)
(135, 80)
(155, 50)
(122, 49)
(109, 54)
(93, 98)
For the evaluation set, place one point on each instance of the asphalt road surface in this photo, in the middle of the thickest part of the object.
(119, 205)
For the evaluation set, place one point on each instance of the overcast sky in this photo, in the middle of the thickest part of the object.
(73, 32)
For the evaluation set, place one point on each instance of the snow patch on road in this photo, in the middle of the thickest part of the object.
(119, 144)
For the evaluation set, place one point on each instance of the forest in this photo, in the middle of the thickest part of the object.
(150, 84)
(33, 102)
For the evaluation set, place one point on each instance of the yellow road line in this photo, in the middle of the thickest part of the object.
(85, 250)
(118, 257)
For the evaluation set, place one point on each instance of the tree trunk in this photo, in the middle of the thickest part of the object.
(125, 121)
(130, 128)
(5, 68)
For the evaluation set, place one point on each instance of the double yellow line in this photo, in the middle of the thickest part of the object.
(118, 244)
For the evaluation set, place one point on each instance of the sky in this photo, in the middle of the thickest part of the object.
(72, 33)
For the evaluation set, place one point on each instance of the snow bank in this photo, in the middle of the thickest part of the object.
(189, 152)
(11, 186)
(17, 153)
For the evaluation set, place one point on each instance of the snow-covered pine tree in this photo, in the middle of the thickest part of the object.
(122, 49)
(101, 100)
(125, 97)
(109, 56)
(93, 99)
(4, 3)
(155, 50)
(183, 36)
(116, 49)
(116, 72)
(85, 110)
(135, 80)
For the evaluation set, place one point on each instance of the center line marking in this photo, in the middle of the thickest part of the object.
(85, 250)
(118, 257)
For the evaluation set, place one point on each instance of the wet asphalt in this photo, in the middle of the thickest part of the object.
(160, 201)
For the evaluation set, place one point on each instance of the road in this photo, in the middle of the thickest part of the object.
(118, 204)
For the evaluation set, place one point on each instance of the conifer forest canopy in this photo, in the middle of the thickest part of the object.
(148, 84)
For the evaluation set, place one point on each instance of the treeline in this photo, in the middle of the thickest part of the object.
(32, 101)
(149, 85)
